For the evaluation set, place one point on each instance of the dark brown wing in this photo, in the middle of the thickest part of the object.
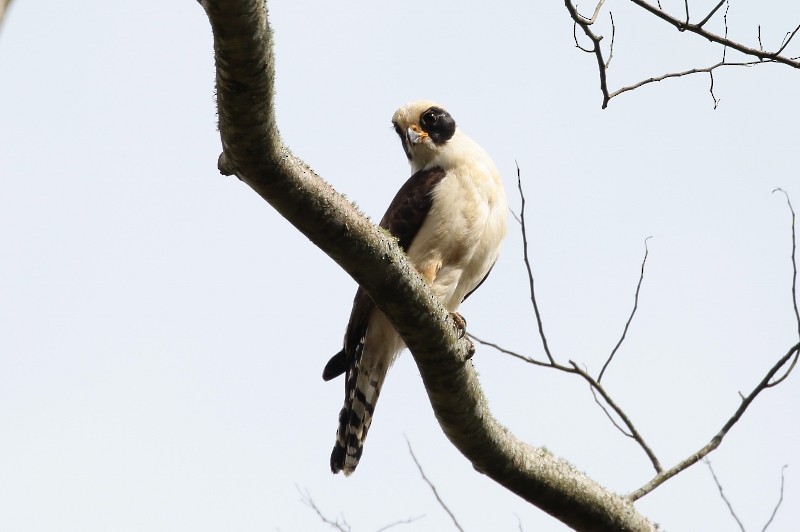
(403, 218)
(410, 205)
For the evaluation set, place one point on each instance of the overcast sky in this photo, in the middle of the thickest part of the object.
(163, 330)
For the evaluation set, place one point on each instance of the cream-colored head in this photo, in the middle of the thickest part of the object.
(425, 129)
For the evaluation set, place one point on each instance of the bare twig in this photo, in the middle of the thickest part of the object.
(505, 351)
(634, 433)
(585, 24)
(794, 259)
(711, 89)
(788, 40)
(308, 501)
(698, 29)
(686, 6)
(793, 354)
(681, 74)
(591, 21)
(710, 14)
(530, 273)
(343, 526)
(613, 37)
(778, 505)
(608, 414)
(433, 488)
(759, 54)
(633, 312)
(717, 439)
(401, 522)
(725, 22)
(722, 494)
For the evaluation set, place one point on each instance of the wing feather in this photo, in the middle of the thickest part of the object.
(403, 219)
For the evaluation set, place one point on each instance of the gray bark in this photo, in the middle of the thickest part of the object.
(253, 151)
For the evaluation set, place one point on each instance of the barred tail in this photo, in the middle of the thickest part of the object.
(362, 389)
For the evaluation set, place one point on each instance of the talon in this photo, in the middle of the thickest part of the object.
(461, 324)
(470, 350)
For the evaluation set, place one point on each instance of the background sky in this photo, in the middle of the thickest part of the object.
(163, 330)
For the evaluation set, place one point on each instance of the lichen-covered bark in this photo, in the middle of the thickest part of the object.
(253, 151)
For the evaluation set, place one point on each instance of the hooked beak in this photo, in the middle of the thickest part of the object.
(415, 135)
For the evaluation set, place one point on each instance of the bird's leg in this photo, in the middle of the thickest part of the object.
(461, 324)
(461, 328)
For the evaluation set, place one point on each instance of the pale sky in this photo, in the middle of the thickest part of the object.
(163, 330)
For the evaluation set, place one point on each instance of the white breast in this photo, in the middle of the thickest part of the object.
(460, 238)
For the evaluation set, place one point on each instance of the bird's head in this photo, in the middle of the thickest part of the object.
(424, 128)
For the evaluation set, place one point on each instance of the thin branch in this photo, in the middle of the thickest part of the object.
(759, 53)
(590, 21)
(308, 501)
(722, 494)
(595, 387)
(401, 522)
(710, 14)
(433, 488)
(530, 272)
(608, 414)
(505, 351)
(633, 313)
(711, 89)
(725, 22)
(778, 505)
(683, 73)
(634, 433)
(794, 259)
(717, 439)
(787, 41)
(613, 37)
(698, 30)
(585, 25)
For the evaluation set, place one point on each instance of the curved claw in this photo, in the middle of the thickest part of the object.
(461, 324)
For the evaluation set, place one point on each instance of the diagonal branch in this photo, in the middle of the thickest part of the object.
(711, 14)
(708, 69)
(715, 441)
(585, 25)
(633, 313)
(794, 260)
(778, 504)
(724, 498)
(254, 152)
(531, 283)
(432, 487)
(698, 29)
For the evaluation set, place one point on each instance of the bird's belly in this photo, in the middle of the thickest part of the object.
(459, 241)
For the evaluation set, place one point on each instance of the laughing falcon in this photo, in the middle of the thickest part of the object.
(449, 218)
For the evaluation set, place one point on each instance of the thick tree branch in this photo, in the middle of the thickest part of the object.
(254, 152)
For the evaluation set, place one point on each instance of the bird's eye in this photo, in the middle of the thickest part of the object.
(429, 118)
(397, 128)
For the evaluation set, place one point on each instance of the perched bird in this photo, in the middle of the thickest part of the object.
(449, 218)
